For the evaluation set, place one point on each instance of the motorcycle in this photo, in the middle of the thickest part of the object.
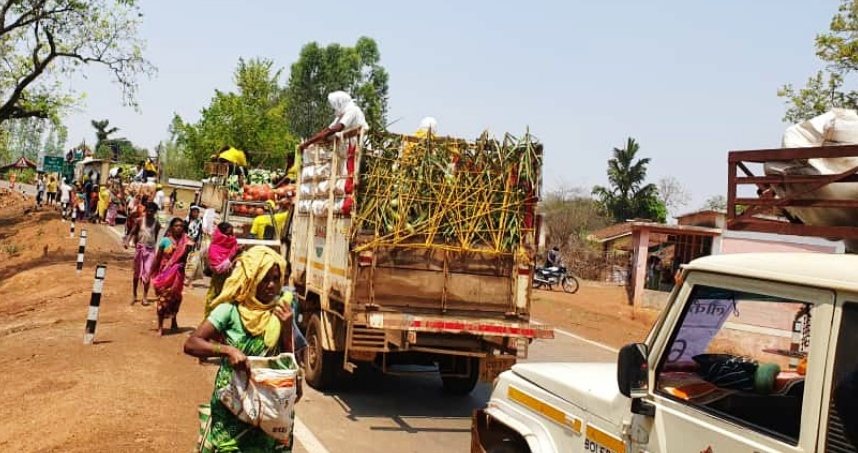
(550, 276)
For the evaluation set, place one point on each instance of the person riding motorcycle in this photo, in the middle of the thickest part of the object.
(552, 259)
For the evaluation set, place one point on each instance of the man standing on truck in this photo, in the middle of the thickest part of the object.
(427, 126)
(235, 158)
(149, 169)
(348, 117)
(260, 222)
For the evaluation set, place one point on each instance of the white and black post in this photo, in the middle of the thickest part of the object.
(94, 303)
(71, 227)
(80, 250)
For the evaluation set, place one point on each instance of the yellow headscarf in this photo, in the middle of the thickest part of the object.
(240, 288)
(235, 156)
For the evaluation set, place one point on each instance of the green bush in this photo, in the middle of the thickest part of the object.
(27, 176)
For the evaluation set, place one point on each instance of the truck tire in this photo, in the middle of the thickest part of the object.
(463, 385)
(321, 366)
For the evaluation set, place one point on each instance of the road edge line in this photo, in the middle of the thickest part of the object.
(307, 439)
(581, 339)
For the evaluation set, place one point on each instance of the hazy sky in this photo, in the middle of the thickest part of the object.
(689, 79)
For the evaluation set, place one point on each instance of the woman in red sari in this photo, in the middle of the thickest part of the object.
(169, 280)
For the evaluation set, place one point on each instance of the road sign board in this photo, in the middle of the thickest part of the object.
(53, 164)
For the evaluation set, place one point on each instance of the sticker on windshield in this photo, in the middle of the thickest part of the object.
(598, 441)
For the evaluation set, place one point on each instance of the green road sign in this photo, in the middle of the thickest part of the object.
(53, 164)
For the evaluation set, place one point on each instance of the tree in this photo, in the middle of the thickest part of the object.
(252, 119)
(569, 215)
(628, 196)
(102, 131)
(322, 70)
(44, 42)
(5, 150)
(672, 194)
(55, 142)
(838, 49)
(715, 202)
(25, 137)
(120, 150)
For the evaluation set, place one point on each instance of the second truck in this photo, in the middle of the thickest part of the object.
(416, 252)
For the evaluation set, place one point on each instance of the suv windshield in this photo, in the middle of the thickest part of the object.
(741, 356)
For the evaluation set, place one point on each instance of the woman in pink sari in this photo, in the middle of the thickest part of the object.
(222, 252)
(169, 281)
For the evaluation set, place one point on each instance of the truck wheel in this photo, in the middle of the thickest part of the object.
(463, 385)
(321, 365)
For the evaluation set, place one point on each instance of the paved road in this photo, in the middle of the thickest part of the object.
(410, 414)
(378, 413)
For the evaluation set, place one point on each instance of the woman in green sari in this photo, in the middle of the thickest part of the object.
(248, 313)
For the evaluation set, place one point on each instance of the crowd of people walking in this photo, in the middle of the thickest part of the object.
(248, 312)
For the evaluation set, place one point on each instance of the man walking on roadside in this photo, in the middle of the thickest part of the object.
(52, 190)
(158, 199)
(144, 234)
(65, 198)
(40, 190)
(174, 196)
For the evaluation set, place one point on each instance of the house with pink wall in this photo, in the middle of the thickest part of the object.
(695, 234)
(730, 241)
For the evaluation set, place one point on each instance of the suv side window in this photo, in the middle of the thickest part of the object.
(741, 357)
(843, 407)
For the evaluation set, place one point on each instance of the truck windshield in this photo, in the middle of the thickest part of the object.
(741, 356)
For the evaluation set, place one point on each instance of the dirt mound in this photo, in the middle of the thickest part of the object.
(130, 391)
(10, 197)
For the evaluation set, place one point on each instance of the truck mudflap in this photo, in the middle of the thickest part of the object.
(478, 425)
(473, 326)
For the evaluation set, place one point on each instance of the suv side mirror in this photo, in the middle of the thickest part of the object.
(632, 370)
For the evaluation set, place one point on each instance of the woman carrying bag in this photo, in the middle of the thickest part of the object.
(250, 315)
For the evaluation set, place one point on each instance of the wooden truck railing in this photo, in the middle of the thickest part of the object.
(765, 212)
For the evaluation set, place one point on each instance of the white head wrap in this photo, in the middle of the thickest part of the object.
(428, 124)
(339, 100)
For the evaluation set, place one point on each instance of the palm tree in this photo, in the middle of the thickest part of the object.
(628, 196)
(102, 132)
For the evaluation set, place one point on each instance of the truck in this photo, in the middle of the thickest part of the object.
(239, 204)
(84, 168)
(416, 255)
(754, 352)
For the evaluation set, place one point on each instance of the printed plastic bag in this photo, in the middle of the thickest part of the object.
(267, 397)
(203, 268)
(191, 267)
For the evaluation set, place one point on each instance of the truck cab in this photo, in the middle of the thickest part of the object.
(753, 352)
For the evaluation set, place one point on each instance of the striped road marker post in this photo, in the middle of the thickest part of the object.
(94, 303)
(80, 250)
(71, 228)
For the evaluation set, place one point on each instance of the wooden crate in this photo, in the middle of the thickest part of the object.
(216, 169)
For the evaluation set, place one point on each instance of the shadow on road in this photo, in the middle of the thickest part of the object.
(407, 401)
